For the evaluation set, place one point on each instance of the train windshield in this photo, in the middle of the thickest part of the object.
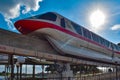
(48, 16)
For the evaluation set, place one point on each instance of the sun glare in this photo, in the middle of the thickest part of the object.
(97, 18)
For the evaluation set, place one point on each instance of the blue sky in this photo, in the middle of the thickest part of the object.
(76, 10)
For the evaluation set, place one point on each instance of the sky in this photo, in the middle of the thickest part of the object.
(78, 11)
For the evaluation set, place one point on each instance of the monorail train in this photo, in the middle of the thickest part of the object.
(68, 37)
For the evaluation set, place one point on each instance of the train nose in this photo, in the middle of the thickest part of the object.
(23, 26)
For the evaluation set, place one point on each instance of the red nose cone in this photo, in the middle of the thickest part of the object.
(23, 26)
(28, 26)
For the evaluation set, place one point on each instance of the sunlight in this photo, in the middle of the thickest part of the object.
(97, 18)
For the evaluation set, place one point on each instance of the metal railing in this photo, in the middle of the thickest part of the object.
(105, 76)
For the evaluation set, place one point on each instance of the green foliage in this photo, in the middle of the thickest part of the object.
(84, 69)
(50, 68)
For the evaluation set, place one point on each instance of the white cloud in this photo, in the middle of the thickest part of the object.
(10, 24)
(11, 9)
(115, 27)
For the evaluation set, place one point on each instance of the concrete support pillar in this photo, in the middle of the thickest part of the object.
(26, 70)
(80, 71)
(20, 71)
(11, 62)
(42, 71)
(64, 70)
(33, 71)
(7, 71)
(116, 71)
(17, 72)
(67, 72)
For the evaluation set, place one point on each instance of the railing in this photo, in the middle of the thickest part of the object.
(105, 76)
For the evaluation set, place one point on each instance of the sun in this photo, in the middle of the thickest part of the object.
(97, 18)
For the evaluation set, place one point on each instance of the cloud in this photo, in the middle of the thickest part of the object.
(10, 24)
(115, 27)
(12, 9)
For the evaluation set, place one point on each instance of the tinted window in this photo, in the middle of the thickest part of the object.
(103, 41)
(95, 37)
(115, 47)
(86, 33)
(89, 34)
(62, 22)
(100, 40)
(77, 28)
(107, 43)
(112, 46)
(118, 48)
(48, 16)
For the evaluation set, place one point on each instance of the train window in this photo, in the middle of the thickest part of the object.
(107, 43)
(48, 16)
(118, 48)
(95, 37)
(89, 34)
(77, 28)
(86, 33)
(103, 41)
(112, 46)
(100, 40)
(115, 47)
(62, 23)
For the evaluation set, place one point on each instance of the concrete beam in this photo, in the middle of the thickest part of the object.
(24, 42)
(17, 44)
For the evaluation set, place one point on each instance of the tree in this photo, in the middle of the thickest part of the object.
(50, 68)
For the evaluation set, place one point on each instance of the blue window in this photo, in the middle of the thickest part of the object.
(62, 23)
(103, 41)
(95, 37)
(112, 46)
(47, 16)
(116, 47)
(86, 33)
(77, 28)
(107, 43)
(100, 40)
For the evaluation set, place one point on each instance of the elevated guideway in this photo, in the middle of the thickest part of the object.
(17, 44)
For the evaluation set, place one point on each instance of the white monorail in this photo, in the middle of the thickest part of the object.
(68, 37)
